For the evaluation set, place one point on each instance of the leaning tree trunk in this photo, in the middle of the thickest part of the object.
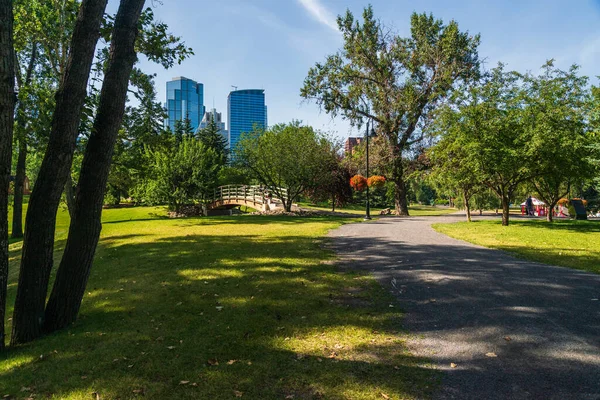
(38, 244)
(7, 104)
(549, 216)
(84, 231)
(17, 222)
(70, 196)
(401, 203)
(505, 210)
(466, 198)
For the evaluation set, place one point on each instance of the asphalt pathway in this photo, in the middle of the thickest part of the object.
(513, 329)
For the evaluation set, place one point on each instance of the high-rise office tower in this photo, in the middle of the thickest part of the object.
(245, 109)
(213, 114)
(185, 99)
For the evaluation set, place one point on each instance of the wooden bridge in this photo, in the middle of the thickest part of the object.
(257, 197)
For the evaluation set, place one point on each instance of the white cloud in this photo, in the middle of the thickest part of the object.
(320, 13)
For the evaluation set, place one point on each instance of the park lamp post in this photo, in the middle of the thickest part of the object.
(368, 211)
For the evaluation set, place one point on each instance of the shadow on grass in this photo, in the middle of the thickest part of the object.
(278, 321)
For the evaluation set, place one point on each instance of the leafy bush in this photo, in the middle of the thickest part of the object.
(358, 183)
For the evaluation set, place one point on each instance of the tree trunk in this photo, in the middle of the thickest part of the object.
(401, 204)
(505, 210)
(549, 215)
(38, 244)
(333, 203)
(84, 231)
(70, 196)
(17, 222)
(466, 198)
(7, 108)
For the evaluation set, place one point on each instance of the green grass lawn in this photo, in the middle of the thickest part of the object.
(414, 210)
(218, 308)
(574, 244)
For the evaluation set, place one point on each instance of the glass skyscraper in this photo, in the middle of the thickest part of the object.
(185, 98)
(245, 108)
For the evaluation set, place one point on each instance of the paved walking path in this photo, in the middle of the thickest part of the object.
(538, 324)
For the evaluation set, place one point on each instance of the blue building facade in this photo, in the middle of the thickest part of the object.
(185, 98)
(245, 109)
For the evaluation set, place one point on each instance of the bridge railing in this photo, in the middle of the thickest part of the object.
(247, 193)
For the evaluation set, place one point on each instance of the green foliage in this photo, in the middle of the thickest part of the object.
(288, 156)
(214, 139)
(559, 136)
(183, 175)
(394, 81)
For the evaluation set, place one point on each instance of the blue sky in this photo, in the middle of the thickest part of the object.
(271, 44)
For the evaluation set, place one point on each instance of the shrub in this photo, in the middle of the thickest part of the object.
(376, 181)
(358, 182)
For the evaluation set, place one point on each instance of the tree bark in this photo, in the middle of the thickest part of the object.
(38, 244)
(401, 203)
(17, 222)
(466, 198)
(505, 210)
(70, 196)
(84, 231)
(7, 108)
(549, 216)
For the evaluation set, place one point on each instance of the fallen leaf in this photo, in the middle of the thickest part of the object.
(219, 308)
(289, 396)
(138, 391)
(385, 396)
(184, 382)
(238, 393)
(332, 355)
(396, 367)
(338, 346)
(194, 384)
(507, 338)
(249, 362)
(25, 389)
(452, 365)
(212, 361)
(230, 362)
(170, 347)
(84, 377)
(491, 354)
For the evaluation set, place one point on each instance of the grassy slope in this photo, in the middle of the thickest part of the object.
(574, 244)
(168, 298)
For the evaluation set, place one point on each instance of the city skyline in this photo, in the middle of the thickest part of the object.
(271, 44)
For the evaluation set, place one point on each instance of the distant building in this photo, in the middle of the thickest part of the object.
(245, 109)
(351, 143)
(213, 114)
(185, 99)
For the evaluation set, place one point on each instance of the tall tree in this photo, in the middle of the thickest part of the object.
(556, 119)
(287, 158)
(487, 125)
(7, 102)
(43, 30)
(396, 82)
(84, 231)
(19, 182)
(212, 138)
(38, 244)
